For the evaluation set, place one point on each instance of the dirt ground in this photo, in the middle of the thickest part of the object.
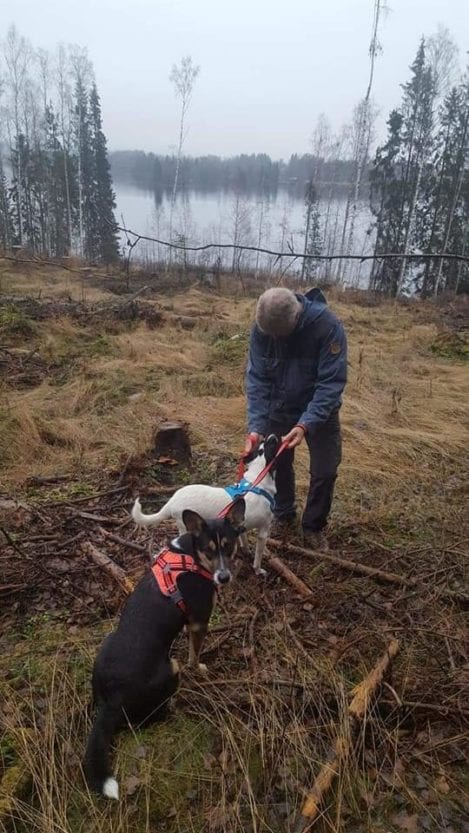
(87, 373)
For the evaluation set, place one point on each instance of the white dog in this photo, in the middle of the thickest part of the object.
(208, 501)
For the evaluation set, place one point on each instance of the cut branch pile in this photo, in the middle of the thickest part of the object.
(85, 313)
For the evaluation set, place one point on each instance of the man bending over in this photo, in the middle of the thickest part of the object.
(296, 373)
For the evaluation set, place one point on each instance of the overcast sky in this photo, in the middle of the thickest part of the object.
(268, 68)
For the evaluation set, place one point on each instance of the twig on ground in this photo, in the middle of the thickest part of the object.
(284, 571)
(251, 649)
(10, 540)
(119, 540)
(442, 710)
(99, 519)
(116, 572)
(364, 570)
(342, 745)
(450, 654)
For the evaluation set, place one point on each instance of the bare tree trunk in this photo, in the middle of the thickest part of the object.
(183, 78)
(409, 229)
(363, 131)
(65, 139)
(343, 236)
(461, 264)
(176, 175)
(17, 59)
(259, 235)
(456, 192)
(305, 247)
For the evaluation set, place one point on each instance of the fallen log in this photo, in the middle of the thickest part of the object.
(330, 769)
(102, 560)
(284, 571)
(364, 570)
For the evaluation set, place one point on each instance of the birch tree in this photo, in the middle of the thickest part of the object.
(182, 77)
(363, 121)
(81, 74)
(65, 109)
(17, 53)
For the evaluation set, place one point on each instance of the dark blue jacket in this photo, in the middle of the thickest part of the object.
(299, 379)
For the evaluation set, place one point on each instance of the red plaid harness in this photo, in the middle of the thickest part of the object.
(166, 569)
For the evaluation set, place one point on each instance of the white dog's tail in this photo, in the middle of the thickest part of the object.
(149, 520)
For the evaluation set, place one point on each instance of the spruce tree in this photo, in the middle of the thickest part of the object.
(399, 177)
(417, 109)
(453, 193)
(104, 237)
(386, 205)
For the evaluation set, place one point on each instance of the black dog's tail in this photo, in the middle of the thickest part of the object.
(96, 763)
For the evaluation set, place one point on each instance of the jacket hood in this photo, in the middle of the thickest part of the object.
(312, 309)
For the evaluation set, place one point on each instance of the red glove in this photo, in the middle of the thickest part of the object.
(252, 441)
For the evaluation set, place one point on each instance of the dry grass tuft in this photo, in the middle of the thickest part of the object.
(244, 745)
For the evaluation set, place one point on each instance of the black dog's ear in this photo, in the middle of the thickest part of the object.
(237, 512)
(271, 446)
(193, 522)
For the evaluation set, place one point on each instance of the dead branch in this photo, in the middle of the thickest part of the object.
(442, 710)
(342, 745)
(134, 296)
(118, 540)
(368, 686)
(322, 784)
(284, 571)
(291, 253)
(99, 519)
(159, 490)
(10, 540)
(364, 570)
(116, 572)
(38, 262)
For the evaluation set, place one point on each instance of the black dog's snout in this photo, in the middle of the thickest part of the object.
(223, 576)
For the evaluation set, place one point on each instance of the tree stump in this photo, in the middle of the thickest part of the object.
(172, 442)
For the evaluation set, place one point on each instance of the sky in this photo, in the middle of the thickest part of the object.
(268, 69)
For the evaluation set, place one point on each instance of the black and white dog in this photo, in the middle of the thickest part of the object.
(208, 501)
(133, 675)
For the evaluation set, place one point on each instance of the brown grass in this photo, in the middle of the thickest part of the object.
(242, 748)
(404, 408)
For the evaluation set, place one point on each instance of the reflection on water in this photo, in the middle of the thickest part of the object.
(273, 222)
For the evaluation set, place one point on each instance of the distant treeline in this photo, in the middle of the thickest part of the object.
(247, 173)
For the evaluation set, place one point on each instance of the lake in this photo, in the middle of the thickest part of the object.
(275, 222)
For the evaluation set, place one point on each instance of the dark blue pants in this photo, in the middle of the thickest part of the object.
(325, 453)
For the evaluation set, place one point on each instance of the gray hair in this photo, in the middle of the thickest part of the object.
(277, 312)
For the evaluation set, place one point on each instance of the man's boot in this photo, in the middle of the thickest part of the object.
(285, 529)
(315, 541)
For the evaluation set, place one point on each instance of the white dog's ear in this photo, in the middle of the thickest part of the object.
(193, 522)
(237, 512)
(271, 445)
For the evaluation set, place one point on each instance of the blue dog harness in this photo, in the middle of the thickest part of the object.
(243, 487)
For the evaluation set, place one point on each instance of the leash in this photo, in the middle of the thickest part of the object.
(256, 482)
